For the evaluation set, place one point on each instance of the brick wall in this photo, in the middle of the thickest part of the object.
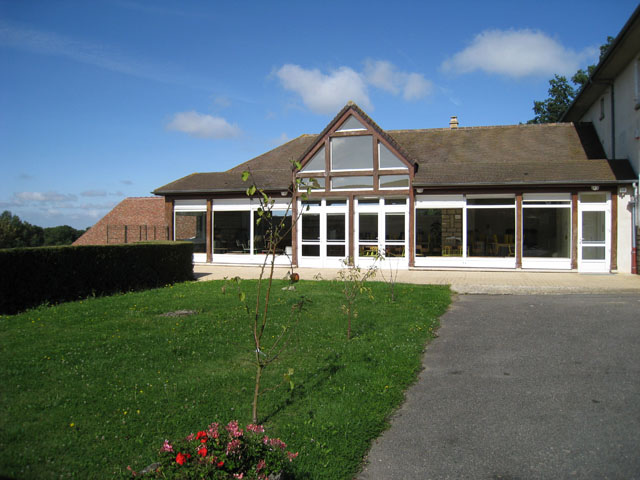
(132, 220)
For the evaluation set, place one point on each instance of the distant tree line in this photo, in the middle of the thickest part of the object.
(17, 233)
(561, 92)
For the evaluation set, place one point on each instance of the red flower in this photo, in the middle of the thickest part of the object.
(203, 452)
(202, 436)
(220, 463)
(180, 458)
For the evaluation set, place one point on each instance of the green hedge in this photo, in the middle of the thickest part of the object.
(32, 276)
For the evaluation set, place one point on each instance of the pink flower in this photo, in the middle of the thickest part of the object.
(166, 447)
(292, 455)
(232, 428)
(233, 446)
(238, 475)
(255, 428)
(276, 442)
(213, 430)
(190, 437)
(260, 465)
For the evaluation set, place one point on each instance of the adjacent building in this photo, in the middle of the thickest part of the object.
(610, 101)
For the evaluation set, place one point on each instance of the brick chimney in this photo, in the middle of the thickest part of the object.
(453, 123)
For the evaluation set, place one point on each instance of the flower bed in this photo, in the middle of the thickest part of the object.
(222, 452)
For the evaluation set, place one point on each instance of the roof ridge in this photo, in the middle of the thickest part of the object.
(482, 127)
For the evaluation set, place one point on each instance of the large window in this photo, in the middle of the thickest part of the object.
(491, 232)
(394, 234)
(231, 232)
(310, 234)
(546, 228)
(191, 227)
(336, 235)
(264, 232)
(352, 153)
(368, 234)
(438, 232)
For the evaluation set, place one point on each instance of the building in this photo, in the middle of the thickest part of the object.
(540, 197)
(610, 101)
(135, 219)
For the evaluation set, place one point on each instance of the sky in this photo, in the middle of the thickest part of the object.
(106, 99)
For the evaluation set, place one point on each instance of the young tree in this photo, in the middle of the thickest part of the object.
(353, 285)
(268, 348)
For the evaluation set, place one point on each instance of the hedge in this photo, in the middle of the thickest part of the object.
(32, 276)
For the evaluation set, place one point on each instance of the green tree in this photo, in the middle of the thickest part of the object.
(561, 93)
(61, 235)
(16, 233)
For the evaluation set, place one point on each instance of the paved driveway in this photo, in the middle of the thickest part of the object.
(522, 387)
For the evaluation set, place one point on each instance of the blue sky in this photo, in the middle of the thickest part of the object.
(104, 99)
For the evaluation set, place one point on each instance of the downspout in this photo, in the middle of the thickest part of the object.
(634, 235)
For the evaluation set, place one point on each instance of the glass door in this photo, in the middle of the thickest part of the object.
(594, 233)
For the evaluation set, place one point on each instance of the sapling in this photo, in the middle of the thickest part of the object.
(354, 284)
(268, 348)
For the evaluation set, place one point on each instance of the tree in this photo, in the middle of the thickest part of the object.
(268, 343)
(16, 233)
(61, 235)
(561, 93)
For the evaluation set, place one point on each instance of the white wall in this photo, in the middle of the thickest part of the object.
(624, 232)
(627, 116)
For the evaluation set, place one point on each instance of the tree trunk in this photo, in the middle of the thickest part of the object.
(256, 394)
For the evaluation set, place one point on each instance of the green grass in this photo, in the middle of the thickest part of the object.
(90, 387)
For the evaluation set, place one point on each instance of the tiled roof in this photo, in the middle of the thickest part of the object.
(565, 153)
(143, 215)
(271, 170)
(513, 154)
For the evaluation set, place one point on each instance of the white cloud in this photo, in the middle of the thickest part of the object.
(325, 94)
(203, 126)
(384, 75)
(22, 198)
(517, 53)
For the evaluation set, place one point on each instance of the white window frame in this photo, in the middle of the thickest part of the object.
(368, 135)
(381, 210)
(564, 202)
(244, 205)
(381, 168)
(323, 260)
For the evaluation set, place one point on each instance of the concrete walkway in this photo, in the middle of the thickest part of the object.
(530, 387)
(464, 282)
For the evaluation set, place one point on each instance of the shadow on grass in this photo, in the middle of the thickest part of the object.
(311, 383)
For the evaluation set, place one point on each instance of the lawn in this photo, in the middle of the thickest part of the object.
(92, 386)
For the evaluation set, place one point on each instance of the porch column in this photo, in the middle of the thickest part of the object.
(208, 229)
(168, 216)
(294, 226)
(412, 213)
(352, 231)
(519, 232)
(574, 230)
(614, 230)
